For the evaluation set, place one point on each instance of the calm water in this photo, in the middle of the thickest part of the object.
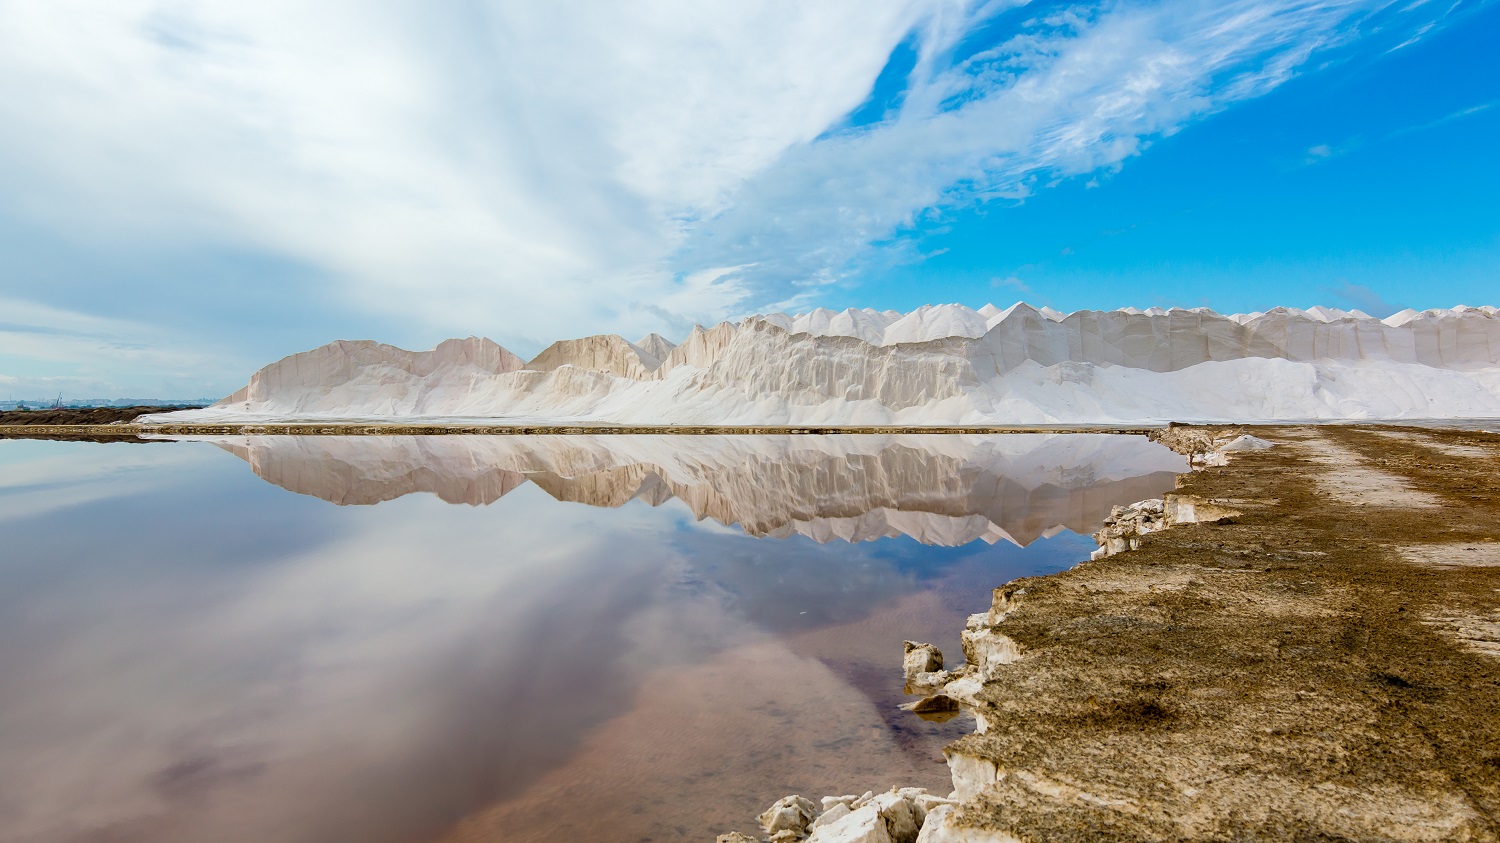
(499, 638)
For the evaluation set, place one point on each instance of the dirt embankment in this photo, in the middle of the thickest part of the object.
(1322, 665)
(76, 417)
(81, 415)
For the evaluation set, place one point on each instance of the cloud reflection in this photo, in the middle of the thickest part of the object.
(199, 656)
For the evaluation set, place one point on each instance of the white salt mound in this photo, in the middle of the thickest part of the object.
(1246, 443)
(939, 364)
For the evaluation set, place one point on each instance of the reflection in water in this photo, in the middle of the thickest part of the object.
(942, 490)
(191, 654)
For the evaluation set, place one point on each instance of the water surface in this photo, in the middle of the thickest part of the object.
(499, 638)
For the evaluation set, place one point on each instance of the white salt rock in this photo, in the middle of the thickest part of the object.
(830, 801)
(790, 813)
(936, 828)
(832, 815)
(902, 821)
(862, 826)
(1247, 443)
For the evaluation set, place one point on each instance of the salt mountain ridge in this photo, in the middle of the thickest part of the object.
(943, 364)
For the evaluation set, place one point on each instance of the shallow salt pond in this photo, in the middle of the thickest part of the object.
(463, 638)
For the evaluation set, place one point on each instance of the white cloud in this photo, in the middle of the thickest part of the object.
(1071, 93)
(1011, 282)
(519, 169)
(1363, 298)
(88, 356)
(537, 170)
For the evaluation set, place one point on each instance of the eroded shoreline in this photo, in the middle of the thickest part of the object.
(1321, 660)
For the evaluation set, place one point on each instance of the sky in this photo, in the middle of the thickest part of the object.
(191, 190)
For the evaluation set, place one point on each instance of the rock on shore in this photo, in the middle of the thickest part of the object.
(901, 815)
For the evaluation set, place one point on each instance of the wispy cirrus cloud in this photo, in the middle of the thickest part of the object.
(530, 171)
(513, 168)
(1075, 89)
(1318, 153)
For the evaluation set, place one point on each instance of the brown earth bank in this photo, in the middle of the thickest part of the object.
(81, 415)
(1322, 664)
(78, 424)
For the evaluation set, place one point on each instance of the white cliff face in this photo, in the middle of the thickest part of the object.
(381, 379)
(604, 353)
(941, 490)
(942, 364)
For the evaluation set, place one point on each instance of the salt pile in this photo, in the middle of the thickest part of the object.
(944, 364)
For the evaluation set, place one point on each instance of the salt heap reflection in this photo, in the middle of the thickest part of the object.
(938, 489)
(239, 664)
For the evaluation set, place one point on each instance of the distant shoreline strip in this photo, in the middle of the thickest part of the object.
(381, 429)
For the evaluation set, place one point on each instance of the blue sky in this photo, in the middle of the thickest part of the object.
(189, 190)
